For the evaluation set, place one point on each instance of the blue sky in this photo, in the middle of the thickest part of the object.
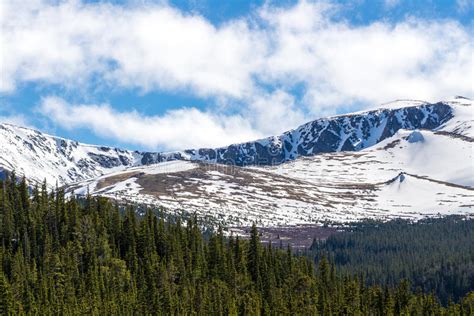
(165, 75)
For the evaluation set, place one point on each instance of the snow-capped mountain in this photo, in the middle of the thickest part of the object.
(404, 159)
(40, 156)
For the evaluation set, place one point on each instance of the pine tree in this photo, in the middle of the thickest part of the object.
(253, 263)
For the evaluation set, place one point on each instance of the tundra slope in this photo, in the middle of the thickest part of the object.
(368, 184)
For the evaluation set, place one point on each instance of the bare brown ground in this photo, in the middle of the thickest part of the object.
(298, 237)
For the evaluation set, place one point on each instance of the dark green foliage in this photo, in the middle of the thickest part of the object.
(436, 255)
(68, 257)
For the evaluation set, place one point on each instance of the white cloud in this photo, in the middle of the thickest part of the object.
(154, 47)
(274, 113)
(340, 63)
(176, 129)
(147, 46)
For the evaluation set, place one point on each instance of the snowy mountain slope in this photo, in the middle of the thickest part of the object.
(423, 196)
(462, 122)
(40, 156)
(425, 153)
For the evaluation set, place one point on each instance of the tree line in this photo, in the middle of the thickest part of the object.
(70, 257)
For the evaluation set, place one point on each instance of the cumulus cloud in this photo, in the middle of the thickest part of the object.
(272, 113)
(340, 63)
(254, 62)
(155, 47)
(176, 129)
(146, 46)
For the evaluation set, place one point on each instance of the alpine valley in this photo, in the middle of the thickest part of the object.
(405, 159)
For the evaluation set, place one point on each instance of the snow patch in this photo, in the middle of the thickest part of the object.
(167, 167)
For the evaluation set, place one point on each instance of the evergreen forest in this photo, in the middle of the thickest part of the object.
(74, 257)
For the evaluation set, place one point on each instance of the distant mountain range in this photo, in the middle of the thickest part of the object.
(405, 159)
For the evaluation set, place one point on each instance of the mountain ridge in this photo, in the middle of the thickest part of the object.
(41, 156)
(347, 132)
